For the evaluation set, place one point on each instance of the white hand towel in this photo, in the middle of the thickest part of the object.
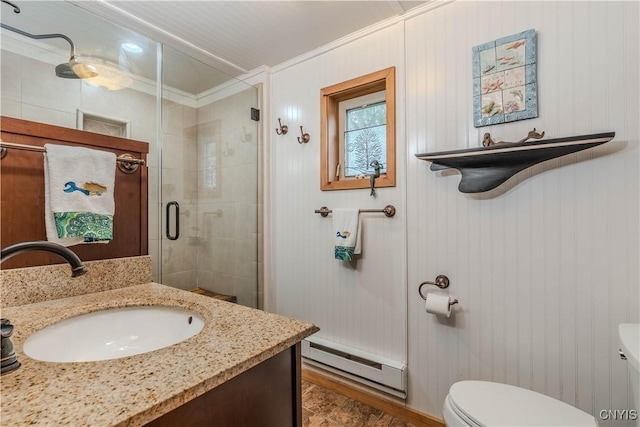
(79, 188)
(348, 231)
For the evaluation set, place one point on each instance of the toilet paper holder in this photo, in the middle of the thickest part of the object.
(442, 282)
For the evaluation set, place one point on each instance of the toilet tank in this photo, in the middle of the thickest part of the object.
(629, 334)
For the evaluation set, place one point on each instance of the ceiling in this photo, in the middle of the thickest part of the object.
(235, 37)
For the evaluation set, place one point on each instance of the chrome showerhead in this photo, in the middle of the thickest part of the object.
(75, 70)
(70, 70)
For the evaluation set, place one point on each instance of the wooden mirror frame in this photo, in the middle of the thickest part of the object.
(330, 98)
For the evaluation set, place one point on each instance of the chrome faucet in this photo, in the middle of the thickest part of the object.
(8, 356)
(77, 269)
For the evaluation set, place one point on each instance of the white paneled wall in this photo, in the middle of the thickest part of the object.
(361, 305)
(545, 267)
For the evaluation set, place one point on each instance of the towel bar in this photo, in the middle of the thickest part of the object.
(126, 162)
(388, 210)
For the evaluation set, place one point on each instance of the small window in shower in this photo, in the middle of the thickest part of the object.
(104, 125)
(209, 153)
(210, 166)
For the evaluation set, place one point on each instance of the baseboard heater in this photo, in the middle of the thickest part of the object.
(374, 371)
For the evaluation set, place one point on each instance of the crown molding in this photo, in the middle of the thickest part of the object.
(419, 10)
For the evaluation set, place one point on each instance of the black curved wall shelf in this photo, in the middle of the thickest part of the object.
(485, 168)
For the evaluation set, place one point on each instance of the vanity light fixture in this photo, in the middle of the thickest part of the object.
(110, 75)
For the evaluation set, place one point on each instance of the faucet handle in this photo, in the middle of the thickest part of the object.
(6, 328)
(8, 359)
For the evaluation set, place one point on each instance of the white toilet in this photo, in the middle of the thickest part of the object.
(483, 403)
(629, 334)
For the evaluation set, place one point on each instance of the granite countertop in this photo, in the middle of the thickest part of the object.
(134, 390)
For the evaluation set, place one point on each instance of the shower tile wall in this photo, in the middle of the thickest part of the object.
(11, 78)
(179, 166)
(209, 158)
(31, 91)
(227, 202)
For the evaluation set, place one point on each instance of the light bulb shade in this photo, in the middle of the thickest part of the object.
(110, 75)
(76, 70)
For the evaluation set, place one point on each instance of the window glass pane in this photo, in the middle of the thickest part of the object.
(210, 175)
(365, 138)
(362, 146)
(359, 123)
(366, 116)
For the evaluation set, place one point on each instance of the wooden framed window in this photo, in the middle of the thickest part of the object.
(357, 127)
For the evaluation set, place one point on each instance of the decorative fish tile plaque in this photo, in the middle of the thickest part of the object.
(504, 80)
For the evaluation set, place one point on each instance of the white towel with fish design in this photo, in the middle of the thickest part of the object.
(348, 233)
(79, 194)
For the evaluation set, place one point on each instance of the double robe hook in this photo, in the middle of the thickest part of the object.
(304, 138)
(283, 129)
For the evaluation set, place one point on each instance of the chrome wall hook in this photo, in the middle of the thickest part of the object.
(283, 129)
(305, 137)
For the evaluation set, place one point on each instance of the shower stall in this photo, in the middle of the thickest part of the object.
(203, 161)
(209, 182)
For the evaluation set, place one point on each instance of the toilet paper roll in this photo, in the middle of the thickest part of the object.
(438, 304)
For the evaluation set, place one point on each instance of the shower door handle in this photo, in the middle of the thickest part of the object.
(168, 221)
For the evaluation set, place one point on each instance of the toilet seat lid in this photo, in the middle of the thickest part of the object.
(495, 404)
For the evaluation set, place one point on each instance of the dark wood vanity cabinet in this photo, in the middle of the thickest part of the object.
(267, 395)
(22, 192)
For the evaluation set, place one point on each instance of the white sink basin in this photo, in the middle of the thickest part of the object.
(112, 334)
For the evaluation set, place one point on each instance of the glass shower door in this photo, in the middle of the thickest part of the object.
(208, 181)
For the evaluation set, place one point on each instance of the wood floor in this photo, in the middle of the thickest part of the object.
(325, 408)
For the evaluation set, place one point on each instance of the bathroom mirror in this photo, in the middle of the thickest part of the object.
(202, 143)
